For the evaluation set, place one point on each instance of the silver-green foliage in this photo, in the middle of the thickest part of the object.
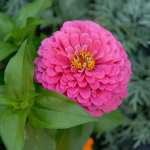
(135, 107)
(65, 10)
(12, 7)
(128, 20)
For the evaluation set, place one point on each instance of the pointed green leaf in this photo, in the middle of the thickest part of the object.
(39, 139)
(57, 112)
(74, 138)
(7, 36)
(12, 127)
(19, 73)
(33, 9)
(6, 23)
(26, 97)
(6, 49)
(5, 100)
(31, 22)
(109, 121)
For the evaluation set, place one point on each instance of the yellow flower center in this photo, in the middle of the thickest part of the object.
(84, 60)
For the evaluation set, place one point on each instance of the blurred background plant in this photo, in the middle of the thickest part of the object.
(129, 21)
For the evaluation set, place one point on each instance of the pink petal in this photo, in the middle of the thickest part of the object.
(51, 72)
(58, 69)
(105, 80)
(82, 83)
(66, 43)
(80, 99)
(98, 74)
(70, 77)
(95, 45)
(81, 78)
(102, 86)
(72, 83)
(56, 78)
(88, 103)
(113, 46)
(112, 80)
(104, 95)
(98, 55)
(110, 87)
(96, 101)
(39, 77)
(74, 40)
(105, 68)
(120, 76)
(94, 36)
(52, 87)
(84, 28)
(118, 88)
(83, 38)
(88, 42)
(85, 92)
(64, 59)
(92, 107)
(90, 79)
(103, 39)
(69, 50)
(73, 90)
(49, 79)
(71, 96)
(45, 85)
(95, 85)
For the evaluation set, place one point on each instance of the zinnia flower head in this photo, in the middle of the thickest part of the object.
(87, 64)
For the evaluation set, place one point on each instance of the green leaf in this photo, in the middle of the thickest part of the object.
(109, 121)
(37, 41)
(6, 23)
(6, 49)
(19, 73)
(33, 9)
(74, 138)
(12, 127)
(39, 139)
(5, 100)
(7, 36)
(3, 90)
(26, 97)
(57, 112)
(31, 22)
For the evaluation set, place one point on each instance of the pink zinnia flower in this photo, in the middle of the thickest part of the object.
(84, 62)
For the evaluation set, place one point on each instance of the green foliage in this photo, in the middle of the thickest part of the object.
(127, 20)
(45, 109)
(109, 121)
(22, 27)
(65, 10)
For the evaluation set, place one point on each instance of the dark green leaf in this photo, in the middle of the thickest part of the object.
(31, 22)
(57, 112)
(7, 36)
(39, 139)
(109, 121)
(6, 23)
(3, 90)
(74, 138)
(19, 73)
(6, 49)
(12, 127)
(37, 41)
(33, 9)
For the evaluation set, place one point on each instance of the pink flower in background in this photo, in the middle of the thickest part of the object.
(84, 62)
